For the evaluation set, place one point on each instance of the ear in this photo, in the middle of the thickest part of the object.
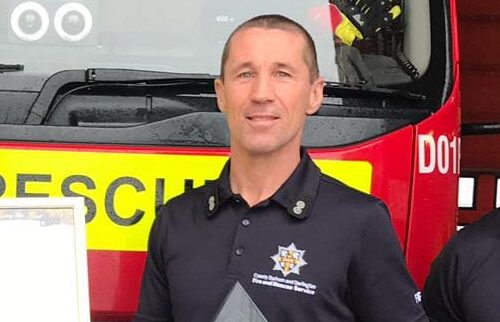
(219, 91)
(316, 97)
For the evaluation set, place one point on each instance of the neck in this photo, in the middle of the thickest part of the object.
(256, 177)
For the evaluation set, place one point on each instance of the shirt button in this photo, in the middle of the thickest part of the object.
(245, 222)
(239, 251)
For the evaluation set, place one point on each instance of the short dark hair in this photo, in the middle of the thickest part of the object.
(277, 22)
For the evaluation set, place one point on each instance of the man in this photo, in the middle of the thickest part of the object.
(304, 246)
(464, 282)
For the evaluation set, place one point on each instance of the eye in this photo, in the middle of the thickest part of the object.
(283, 74)
(246, 74)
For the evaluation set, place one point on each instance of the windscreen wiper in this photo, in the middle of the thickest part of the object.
(44, 104)
(5, 68)
(368, 90)
(138, 76)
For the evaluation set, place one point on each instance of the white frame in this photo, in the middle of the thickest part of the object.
(467, 192)
(76, 204)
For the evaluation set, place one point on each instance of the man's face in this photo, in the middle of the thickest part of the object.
(267, 90)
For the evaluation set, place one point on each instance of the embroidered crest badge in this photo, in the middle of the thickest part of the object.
(289, 260)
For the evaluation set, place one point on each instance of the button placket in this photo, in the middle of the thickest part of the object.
(239, 247)
(242, 233)
(241, 210)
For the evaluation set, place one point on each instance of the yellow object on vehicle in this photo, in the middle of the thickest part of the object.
(347, 32)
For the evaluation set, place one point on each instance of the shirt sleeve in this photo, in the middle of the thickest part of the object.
(154, 299)
(380, 285)
(441, 292)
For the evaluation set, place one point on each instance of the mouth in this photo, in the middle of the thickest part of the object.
(262, 118)
(262, 121)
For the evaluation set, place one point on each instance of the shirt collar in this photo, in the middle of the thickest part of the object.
(296, 195)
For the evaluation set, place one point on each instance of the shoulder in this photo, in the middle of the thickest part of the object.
(352, 206)
(192, 203)
(479, 238)
(192, 195)
(467, 267)
(336, 192)
(470, 248)
(487, 227)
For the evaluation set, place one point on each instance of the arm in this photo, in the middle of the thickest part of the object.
(381, 287)
(154, 300)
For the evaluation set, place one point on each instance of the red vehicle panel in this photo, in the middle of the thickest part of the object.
(129, 140)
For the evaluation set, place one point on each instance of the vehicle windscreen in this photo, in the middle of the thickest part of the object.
(367, 40)
(50, 50)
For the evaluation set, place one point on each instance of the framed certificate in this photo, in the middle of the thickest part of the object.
(43, 268)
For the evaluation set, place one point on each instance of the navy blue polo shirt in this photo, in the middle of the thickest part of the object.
(464, 281)
(316, 250)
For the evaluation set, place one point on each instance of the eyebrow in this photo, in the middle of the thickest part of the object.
(242, 66)
(284, 65)
(277, 65)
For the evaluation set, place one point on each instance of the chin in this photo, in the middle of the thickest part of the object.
(265, 144)
(261, 148)
(257, 147)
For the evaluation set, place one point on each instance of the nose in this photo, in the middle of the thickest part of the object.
(262, 89)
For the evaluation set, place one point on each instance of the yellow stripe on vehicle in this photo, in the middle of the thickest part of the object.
(122, 190)
(357, 174)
